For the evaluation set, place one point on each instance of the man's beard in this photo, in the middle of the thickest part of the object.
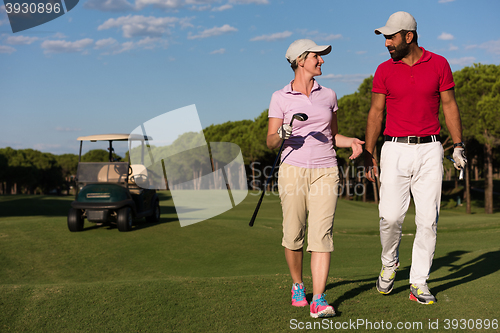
(400, 51)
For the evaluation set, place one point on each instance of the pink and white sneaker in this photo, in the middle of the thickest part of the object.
(321, 309)
(299, 295)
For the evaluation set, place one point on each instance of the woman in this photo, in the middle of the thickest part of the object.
(308, 176)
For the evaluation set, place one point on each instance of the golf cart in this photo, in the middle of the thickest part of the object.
(114, 191)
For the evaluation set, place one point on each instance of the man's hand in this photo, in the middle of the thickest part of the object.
(285, 131)
(371, 168)
(459, 158)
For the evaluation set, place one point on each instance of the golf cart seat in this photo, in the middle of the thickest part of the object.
(113, 173)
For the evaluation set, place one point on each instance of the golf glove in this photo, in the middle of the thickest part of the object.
(285, 131)
(459, 158)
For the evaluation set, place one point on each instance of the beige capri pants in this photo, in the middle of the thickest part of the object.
(308, 194)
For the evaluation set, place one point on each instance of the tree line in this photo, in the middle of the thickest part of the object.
(477, 90)
(29, 171)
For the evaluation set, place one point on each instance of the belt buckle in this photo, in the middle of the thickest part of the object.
(417, 140)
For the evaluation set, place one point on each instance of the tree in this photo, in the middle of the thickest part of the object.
(98, 155)
(68, 163)
(69, 166)
(249, 135)
(4, 163)
(31, 171)
(478, 89)
(351, 118)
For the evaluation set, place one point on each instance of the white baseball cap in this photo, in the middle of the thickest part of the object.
(397, 22)
(302, 45)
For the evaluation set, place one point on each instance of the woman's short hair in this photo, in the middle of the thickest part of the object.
(295, 64)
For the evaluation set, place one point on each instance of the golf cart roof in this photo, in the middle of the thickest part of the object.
(114, 137)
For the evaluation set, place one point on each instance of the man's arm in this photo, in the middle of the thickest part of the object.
(452, 115)
(454, 125)
(373, 128)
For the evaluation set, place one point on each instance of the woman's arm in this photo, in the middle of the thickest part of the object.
(342, 141)
(273, 140)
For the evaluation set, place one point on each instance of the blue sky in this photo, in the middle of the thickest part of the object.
(109, 65)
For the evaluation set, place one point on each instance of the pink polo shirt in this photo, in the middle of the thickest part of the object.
(311, 144)
(413, 94)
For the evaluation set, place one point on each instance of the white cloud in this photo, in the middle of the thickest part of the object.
(138, 25)
(109, 5)
(20, 40)
(361, 52)
(317, 36)
(465, 61)
(215, 31)
(197, 5)
(219, 51)
(62, 46)
(350, 78)
(492, 46)
(7, 49)
(149, 43)
(200, 8)
(127, 46)
(105, 43)
(59, 35)
(452, 48)
(445, 1)
(222, 8)
(163, 4)
(166, 5)
(446, 36)
(329, 37)
(272, 37)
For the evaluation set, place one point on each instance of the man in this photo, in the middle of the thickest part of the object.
(411, 85)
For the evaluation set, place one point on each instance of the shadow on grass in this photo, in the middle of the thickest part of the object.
(59, 206)
(33, 205)
(483, 265)
(367, 284)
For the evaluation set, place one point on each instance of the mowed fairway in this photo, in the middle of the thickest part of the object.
(223, 276)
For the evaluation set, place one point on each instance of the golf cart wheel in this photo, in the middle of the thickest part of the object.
(155, 217)
(124, 219)
(75, 220)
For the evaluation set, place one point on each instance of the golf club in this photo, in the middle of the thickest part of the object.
(461, 176)
(299, 117)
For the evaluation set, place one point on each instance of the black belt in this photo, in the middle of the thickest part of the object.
(411, 140)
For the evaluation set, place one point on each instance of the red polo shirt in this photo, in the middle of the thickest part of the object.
(413, 94)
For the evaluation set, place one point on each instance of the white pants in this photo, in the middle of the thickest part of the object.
(417, 168)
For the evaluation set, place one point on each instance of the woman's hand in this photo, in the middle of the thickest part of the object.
(357, 148)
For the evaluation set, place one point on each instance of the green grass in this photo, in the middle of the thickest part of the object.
(223, 276)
